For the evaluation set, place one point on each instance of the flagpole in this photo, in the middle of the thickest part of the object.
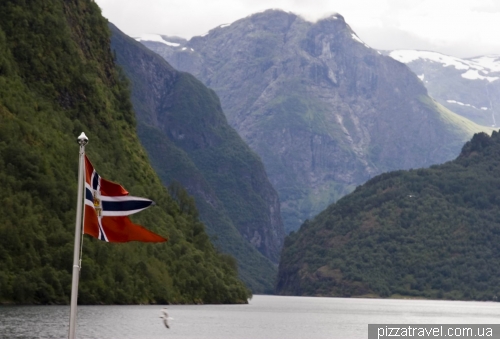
(82, 141)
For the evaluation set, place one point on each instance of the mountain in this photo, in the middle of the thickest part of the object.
(323, 110)
(469, 87)
(188, 139)
(432, 233)
(57, 79)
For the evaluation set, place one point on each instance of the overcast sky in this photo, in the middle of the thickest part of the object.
(462, 28)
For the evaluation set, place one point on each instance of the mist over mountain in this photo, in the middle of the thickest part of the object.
(323, 110)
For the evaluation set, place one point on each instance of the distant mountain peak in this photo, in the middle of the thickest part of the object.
(469, 87)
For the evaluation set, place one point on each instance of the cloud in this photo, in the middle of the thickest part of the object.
(388, 38)
(467, 27)
(487, 6)
(447, 26)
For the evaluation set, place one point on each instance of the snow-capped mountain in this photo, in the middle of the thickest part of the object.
(469, 87)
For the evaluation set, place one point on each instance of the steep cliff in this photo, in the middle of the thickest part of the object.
(185, 132)
(323, 110)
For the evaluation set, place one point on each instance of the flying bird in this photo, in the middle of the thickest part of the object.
(165, 317)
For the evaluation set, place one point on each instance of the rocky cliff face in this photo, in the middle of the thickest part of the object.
(323, 110)
(183, 128)
(469, 87)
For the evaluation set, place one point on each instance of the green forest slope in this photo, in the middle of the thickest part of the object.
(431, 233)
(57, 79)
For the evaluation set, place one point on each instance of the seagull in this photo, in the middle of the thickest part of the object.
(165, 317)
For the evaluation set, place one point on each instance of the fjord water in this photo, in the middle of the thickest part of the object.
(265, 317)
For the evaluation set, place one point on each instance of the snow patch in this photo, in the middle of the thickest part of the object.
(173, 44)
(224, 25)
(184, 48)
(407, 56)
(156, 38)
(462, 104)
(473, 66)
(474, 75)
(356, 38)
(455, 102)
(421, 77)
(492, 63)
(484, 108)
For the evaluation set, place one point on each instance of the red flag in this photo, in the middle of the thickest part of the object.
(107, 206)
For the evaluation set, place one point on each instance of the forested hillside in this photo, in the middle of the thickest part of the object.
(57, 79)
(431, 233)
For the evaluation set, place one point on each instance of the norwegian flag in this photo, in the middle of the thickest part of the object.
(107, 206)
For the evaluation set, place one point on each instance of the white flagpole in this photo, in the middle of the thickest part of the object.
(82, 140)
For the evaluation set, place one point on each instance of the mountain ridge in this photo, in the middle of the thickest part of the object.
(323, 110)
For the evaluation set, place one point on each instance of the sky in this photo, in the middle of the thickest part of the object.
(461, 28)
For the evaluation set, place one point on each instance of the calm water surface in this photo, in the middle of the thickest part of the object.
(266, 317)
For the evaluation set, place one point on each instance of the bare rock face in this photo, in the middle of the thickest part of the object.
(324, 111)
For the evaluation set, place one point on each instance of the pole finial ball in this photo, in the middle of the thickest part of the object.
(82, 139)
